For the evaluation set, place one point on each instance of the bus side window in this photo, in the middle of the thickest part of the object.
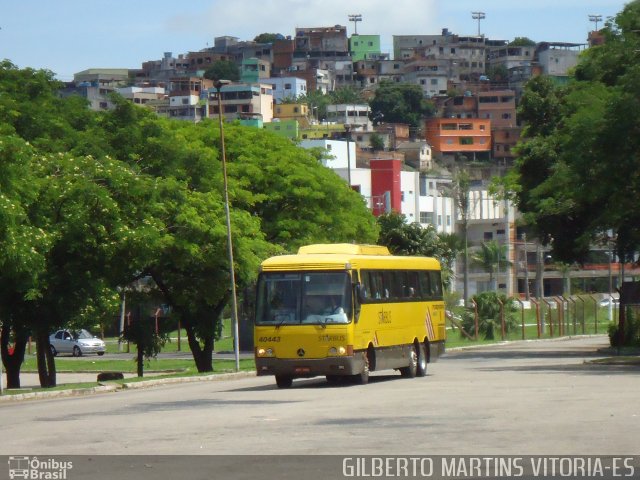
(413, 284)
(436, 284)
(376, 285)
(425, 285)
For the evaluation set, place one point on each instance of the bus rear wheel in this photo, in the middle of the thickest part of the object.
(283, 381)
(411, 370)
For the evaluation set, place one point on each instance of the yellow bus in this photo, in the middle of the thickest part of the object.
(343, 310)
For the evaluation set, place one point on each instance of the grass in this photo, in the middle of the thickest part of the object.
(94, 364)
(578, 319)
(225, 344)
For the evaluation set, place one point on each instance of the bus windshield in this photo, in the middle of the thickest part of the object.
(303, 298)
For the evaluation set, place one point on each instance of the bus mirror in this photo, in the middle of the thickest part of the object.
(360, 293)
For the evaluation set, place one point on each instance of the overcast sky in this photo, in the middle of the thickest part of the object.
(68, 36)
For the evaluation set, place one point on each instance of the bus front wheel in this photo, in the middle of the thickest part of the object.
(283, 381)
(362, 378)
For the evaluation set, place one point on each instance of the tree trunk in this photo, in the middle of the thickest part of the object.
(202, 355)
(46, 363)
(13, 361)
(140, 359)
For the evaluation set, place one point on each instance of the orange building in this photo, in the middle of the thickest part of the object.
(458, 135)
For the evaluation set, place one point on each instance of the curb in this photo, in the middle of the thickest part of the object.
(114, 387)
(528, 340)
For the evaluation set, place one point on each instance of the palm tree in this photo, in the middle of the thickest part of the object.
(491, 257)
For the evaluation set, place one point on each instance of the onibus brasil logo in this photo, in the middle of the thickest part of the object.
(36, 469)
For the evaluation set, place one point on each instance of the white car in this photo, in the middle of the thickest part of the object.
(606, 301)
(76, 342)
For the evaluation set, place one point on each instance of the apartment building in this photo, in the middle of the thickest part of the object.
(141, 95)
(455, 135)
(557, 58)
(184, 98)
(364, 47)
(357, 116)
(249, 101)
(254, 70)
(287, 87)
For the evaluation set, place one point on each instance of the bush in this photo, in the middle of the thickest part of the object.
(489, 323)
(631, 335)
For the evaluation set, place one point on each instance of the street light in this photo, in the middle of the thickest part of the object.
(595, 19)
(347, 129)
(355, 19)
(234, 304)
(478, 16)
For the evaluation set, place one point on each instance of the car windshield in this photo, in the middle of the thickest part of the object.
(304, 297)
(80, 334)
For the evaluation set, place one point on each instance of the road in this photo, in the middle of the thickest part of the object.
(519, 398)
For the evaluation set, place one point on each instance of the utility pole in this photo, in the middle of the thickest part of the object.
(478, 16)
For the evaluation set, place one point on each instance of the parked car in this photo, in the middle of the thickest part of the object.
(605, 302)
(76, 342)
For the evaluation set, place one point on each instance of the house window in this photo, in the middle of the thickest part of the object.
(466, 140)
(488, 236)
(448, 220)
(423, 186)
(426, 217)
(439, 220)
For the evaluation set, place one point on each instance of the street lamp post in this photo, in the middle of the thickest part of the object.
(595, 19)
(347, 129)
(526, 268)
(355, 19)
(478, 16)
(234, 304)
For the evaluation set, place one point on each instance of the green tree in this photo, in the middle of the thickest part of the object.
(279, 197)
(404, 238)
(586, 152)
(267, 37)
(223, 70)
(491, 257)
(489, 308)
(376, 142)
(346, 95)
(401, 103)
(522, 42)
(317, 102)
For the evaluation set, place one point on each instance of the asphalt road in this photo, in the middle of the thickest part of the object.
(519, 398)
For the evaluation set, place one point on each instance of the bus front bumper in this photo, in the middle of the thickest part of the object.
(310, 367)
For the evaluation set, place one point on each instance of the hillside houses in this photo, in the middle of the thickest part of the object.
(473, 82)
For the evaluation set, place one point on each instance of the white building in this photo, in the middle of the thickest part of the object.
(286, 87)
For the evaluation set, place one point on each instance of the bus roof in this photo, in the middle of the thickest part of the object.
(345, 257)
(344, 248)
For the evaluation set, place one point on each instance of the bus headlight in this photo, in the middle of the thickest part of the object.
(337, 351)
(264, 352)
